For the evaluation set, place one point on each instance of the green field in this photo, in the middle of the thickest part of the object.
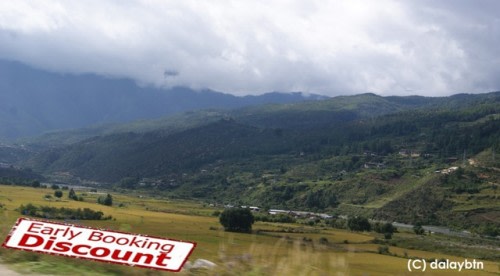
(273, 248)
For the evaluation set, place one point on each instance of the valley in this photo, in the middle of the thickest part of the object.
(424, 165)
(250, 138)
(420, 160)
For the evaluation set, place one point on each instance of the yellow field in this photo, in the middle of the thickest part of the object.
(267, 253)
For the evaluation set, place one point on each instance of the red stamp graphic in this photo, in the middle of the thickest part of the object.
(100, 245)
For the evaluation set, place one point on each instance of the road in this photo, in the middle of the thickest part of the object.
(435, 229)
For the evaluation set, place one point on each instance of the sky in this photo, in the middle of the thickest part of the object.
(411, 47)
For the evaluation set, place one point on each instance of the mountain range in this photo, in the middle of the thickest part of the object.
(34, 101)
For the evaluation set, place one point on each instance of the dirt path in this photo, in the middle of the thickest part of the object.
(5, 271)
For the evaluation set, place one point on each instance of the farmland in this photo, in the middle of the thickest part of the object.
(272, 248)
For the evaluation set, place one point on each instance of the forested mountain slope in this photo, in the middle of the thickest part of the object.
(361, 154)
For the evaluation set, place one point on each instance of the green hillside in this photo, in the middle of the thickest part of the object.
(308, 114)
(364, 154)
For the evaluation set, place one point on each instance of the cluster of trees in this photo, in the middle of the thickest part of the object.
(418, 229)
(107, 200)
(21, 177)
(360, 224)
(320, 199)
(385, 228)
(19, 181)
(489, 229)
(282, 218)
(61, 213)
(71, 194)
(241, 220)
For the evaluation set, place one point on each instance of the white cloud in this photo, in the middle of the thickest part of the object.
(328, 47)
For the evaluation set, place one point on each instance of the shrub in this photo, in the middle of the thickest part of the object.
(323, 240)
(216, 213)
(383, 249)
(58, 194)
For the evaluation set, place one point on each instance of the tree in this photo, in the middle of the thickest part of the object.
(72, 194)
(387, 229)
(418, 229)
(237, 220)
(58, 194)
(35, 184)
(108, 200)
(359, 224)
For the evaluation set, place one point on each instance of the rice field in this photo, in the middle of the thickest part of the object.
(273, 248)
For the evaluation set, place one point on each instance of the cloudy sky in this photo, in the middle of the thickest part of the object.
(433, 47)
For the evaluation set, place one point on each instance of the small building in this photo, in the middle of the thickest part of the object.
(254, 208)
(277, 211)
